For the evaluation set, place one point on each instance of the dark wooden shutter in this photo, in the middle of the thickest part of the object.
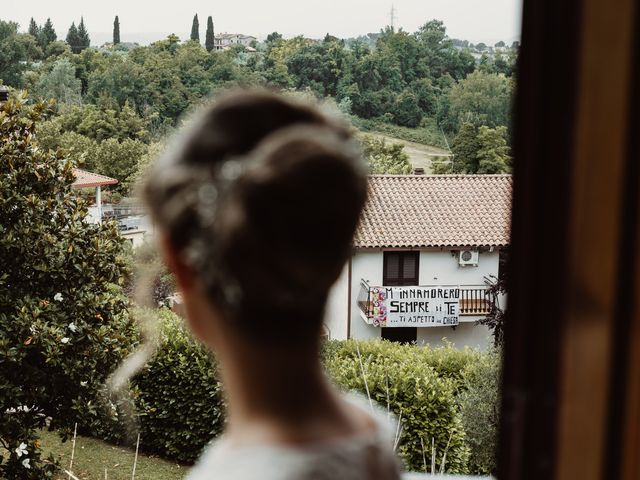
(400, 268)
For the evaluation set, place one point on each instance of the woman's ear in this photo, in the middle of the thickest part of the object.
(184, 277)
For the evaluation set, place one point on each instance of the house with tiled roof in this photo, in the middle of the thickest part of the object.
(85, 179)
(423, 250)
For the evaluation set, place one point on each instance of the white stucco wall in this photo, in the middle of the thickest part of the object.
(437, 267)
(368, 266)
(336, 315)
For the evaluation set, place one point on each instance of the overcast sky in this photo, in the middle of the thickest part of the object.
(143, 20)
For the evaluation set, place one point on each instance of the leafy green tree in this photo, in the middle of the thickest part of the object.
(73, 39)
(56, 49)
(209, 41)
(406, 111)
(481, 98)
(12, 54)
(60, 84)
(426, 95)
(385, 158)
(195, 29)
(103, 123)
(493, 154)
(83, 36)
(64, 323)
(116, 31)
(465, 147)
(274, 37)
(119, 160)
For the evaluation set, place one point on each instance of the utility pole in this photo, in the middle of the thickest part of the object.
(392, 16)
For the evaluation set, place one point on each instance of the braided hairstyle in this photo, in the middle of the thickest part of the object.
(260, 199)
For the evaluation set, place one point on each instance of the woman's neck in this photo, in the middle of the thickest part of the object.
(281, 396)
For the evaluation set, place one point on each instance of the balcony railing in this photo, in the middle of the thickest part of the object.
(473, 300)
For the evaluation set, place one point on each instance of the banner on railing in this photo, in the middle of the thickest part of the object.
(414, 306)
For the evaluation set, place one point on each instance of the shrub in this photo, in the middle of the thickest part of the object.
(402, 378)
(479, 407)
(179, 395)
(385, 158)
(181, 405)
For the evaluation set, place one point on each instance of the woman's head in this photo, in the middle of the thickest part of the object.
(258, 202)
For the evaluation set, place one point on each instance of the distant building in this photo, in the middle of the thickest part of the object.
(225, 41)
(85, 179)
(422, 251)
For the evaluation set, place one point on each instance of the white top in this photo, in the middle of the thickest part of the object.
(362, 457)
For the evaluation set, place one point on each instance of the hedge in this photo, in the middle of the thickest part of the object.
(181, 405)
(418, 385)
(179, 395)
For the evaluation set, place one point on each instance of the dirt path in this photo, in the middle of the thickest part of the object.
(420, 155)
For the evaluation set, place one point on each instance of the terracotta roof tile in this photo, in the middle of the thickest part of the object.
(90, 179)
(409, 211)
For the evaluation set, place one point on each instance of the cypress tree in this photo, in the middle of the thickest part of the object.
(34, 30)
(73, 39)
(47, 34)
(116, 31)
(83, 35)
(209, 38)
(195, 29)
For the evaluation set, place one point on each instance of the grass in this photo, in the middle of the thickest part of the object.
(93, 456)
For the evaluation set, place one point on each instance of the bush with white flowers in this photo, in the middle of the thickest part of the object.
(64, 323)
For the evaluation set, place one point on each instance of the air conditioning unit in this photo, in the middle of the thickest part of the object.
(468, 257)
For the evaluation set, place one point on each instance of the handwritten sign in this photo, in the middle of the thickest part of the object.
(414, 306)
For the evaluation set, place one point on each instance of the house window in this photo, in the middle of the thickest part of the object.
(400, 269)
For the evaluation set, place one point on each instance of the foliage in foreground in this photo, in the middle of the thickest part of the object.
(180, 400)
(64, 322)
(418, 385)
(181, 404)
(479, 402)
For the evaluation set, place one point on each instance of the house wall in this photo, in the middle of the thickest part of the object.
(335, 317)
(437, 267)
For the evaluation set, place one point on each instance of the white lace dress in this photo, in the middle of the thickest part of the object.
(362, 457)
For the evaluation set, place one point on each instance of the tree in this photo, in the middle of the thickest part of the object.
(481, 98)
(209, 41)
(63, 315)
(465, 147)
(47, 35)
(60, 84)
(493, 154)
(384, 158)
(406, 111)
(274, 37)
(116, 31)
(73, 39)
(12, 54)
(195, 29)
(34, 30)
(83, 36)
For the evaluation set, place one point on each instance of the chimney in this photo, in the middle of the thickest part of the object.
(4, 94)
(418, 171)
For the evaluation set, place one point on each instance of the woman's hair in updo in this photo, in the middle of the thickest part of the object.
(261, 198)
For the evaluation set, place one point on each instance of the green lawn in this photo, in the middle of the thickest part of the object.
(93, 456)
